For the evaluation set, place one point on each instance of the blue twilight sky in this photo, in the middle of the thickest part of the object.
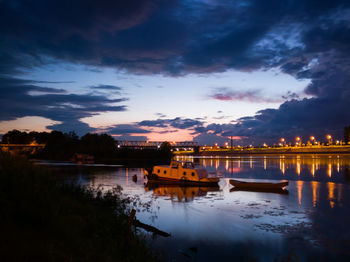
(176, 70)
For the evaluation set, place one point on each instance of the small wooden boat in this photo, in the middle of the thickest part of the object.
(181, 173)
(258, 185)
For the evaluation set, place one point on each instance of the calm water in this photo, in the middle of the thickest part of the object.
(310, 223)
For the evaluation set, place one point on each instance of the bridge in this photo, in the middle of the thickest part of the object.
(155, 144)
(33, 148)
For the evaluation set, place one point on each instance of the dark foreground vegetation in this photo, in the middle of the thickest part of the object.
(104, 149)
(42, 220)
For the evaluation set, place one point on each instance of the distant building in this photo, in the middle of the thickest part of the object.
(347, 134)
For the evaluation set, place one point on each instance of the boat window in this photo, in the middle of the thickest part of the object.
(184, 173)
(188, 165)
(158, 170)
(164, 171)
(192, 173)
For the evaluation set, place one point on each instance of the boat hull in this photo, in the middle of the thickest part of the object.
(209, 182)
(258, 185)
(281, 191)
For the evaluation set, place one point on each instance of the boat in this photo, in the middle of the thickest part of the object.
(181, 173)
(281, 191)
(258, 185)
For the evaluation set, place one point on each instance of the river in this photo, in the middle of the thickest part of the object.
(308, 223)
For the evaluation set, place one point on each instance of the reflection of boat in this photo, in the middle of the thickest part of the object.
(181, 192)
(276, 191)
(258, 185)
(181, 173)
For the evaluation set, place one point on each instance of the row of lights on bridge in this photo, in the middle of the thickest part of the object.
(298, 142)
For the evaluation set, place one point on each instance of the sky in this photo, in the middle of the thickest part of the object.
(170, 70)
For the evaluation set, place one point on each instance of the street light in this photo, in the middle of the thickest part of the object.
(282, 141)
(329, 137)
(312, 138)
(298, 140)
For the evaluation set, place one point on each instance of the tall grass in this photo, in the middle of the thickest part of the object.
(43, 220)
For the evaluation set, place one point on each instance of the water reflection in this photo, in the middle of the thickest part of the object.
(292, 167)
(311, 221)
(178, 193)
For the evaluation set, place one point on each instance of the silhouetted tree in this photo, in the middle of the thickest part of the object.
(60, 146)
(98, 145)
(165, 149)
(18, 137)
(15, 137)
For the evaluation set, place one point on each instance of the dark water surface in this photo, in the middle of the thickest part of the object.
(310, 223)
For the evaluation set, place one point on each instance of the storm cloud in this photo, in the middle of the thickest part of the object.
(306, 39)
(178, 122)
(18, 101)
(253, 96)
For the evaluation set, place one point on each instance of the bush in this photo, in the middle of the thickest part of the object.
(44, 220)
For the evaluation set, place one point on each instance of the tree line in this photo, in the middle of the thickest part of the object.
(63, 146)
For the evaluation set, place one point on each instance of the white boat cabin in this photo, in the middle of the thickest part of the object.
(181, 171)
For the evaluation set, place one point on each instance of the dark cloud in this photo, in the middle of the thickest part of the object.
(178, 122)
(253, 96)
(160, 115)
(107, 87)
(130, 138)
(17, 101)
(72, 125)
(307, 39)
(126, 129)
(210, 139)
(290, 95)
(153, 36)
(167, 132)
(293, 118)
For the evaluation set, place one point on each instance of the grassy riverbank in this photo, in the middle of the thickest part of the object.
(46, 221)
